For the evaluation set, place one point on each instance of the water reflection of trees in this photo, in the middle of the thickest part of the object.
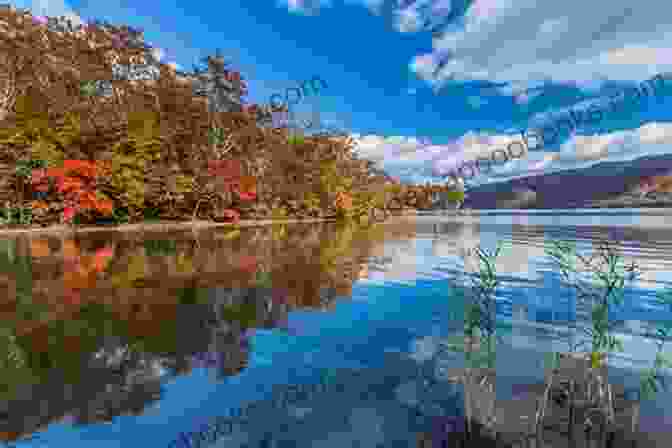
(92, 327)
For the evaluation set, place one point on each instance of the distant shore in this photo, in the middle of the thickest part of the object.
(631, 203)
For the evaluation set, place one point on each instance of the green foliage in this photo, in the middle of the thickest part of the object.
(479, 338)
(483, 289)
(263, 279)
(88, 88)
(14, 368)
(296, 139)
(159, 247)
(15, 356)
(192, 296)
(654, 378)
(608, 270)
(120, 216)
(244, 313)
(455, 195)
(551, 360)
(151, 214)
(24, 168)
(216, 136)
(16, 215)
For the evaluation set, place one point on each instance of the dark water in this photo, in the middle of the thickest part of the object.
(307, 335)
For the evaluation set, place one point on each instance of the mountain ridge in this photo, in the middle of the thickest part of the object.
(613, 182)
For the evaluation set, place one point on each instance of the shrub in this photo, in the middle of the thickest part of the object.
(76, 182)
(455, 195)
(654, 378)
(564, 256)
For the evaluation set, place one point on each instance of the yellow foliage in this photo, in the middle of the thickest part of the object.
(330, 181)
(365, 201)
(132, 157)
(279, 232)
(279, 213)
(184, 264)
(334, 248)
(47, 141)
(311, 201)
(136, 270)
(394, 188)
(143, 125)
(47, 151)
(231, 235)
(184, 184)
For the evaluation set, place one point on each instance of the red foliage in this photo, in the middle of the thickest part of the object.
(229, 175)
(40, 180)
(228, 171)
(76, 181)
(246, 195)
(231, 215)
(248, 263)
(68, 214)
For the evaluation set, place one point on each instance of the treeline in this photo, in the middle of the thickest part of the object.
(95, 129)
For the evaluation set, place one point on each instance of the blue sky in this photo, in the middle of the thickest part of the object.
(414, 98)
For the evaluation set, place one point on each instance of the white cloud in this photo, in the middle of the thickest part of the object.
(50, 8)
(408, 16)
(528, 41)
(414, 16)
(443, 7)
(158, 53)
(413, 161)
(573, 41)
(408, 20)
(307, 7)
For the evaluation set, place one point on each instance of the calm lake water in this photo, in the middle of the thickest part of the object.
(331, 333)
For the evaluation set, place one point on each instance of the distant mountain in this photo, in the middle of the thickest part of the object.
(612, 184)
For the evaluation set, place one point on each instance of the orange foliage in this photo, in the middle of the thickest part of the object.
(80, 272)
(76, 181)
(247, 190)
(343, 201)
(39, 248)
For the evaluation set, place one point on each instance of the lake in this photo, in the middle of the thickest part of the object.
(298, 335)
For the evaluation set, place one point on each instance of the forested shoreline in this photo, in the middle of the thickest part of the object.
(97, 131)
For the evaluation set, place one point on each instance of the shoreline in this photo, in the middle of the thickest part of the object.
(169, 226)
(161, 226)
(177, 226)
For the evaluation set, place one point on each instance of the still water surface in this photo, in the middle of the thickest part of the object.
(332, 332)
